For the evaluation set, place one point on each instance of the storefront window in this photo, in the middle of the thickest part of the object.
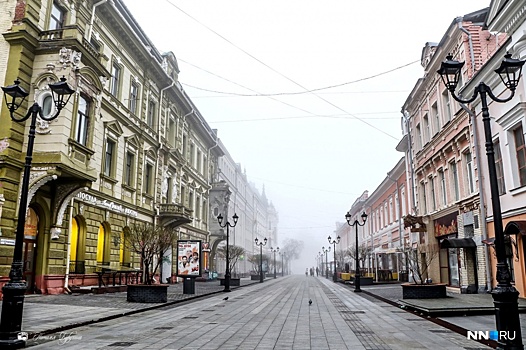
(454, 278)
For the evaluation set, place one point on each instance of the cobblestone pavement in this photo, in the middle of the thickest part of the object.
(393, 292)
(43, 313)
(271, 315)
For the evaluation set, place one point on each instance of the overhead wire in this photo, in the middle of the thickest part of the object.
(289, 93)
(277, 72)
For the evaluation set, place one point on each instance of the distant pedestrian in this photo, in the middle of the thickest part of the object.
(311, 272)
(317, 271)
(307, 271)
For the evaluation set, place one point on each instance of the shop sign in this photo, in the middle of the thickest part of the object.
(6, 241)
(446, 225)
(104, 203)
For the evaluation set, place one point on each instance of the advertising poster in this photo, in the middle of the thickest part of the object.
(189, 258)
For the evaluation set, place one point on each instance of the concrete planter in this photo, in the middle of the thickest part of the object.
(234, 282)
(423, 291)
(256, 277)
(142, 293)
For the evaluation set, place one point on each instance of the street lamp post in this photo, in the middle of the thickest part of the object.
(334, 242)
(320, 255)
(505, 296)
(325, 251)
(282, 266)
(274, 251)
(261, 244)
(356, 223)
(13, 291)
(227, 269)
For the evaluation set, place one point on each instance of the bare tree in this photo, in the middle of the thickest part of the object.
(363, 252)
(234, 253)
(419, 260)
(255, 261)
(151, 243)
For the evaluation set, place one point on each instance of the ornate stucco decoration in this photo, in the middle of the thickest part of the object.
(63, 197)
(69, 58)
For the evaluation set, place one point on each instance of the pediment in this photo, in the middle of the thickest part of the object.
(114, 126)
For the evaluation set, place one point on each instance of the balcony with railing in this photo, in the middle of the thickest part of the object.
(174, 214)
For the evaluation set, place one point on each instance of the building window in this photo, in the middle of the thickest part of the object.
(115, 79)
(192, 154)
(184, 146)
(424, 197)
(199, 162)
(520, 152)
(434, 112)
(418, 140)
(150, 116)
(433, 197)
(81, 131)
(427, 130)
(447, 105)
(443, 188)
(148, 178)
(171, 131)
(134, 97)
(129, 168)
(56, 20)
(454, 178)
(499, 167)
(47, 106)
(108, 157)
(469, 168)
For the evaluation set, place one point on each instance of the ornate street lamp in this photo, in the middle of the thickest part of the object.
(325, 251)
(274, 251)
(334, 242)
(356, 223)
(261, 244)
(227, 225)
(13, 291)
(505, 296)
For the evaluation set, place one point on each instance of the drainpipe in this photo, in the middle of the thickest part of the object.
(470, 41)
(483, 227)
(92, 19)
(68, 252)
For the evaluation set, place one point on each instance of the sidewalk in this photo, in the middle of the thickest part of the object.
(45, 314)
(474, 312)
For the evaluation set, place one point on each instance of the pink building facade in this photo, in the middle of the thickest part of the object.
(443, 154)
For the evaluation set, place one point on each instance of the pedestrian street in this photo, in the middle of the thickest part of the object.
(272, 315)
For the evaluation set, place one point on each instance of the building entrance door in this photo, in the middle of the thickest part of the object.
(30, 249)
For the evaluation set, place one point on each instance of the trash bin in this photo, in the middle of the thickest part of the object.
(404, 276)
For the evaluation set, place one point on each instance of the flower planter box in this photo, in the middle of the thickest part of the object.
(142, 293)
(234, 282)
(423, 291)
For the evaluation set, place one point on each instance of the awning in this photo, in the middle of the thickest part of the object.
(458, 243)
(515, 227)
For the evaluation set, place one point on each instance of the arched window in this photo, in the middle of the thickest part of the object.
(77, 246)
(103, 246)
